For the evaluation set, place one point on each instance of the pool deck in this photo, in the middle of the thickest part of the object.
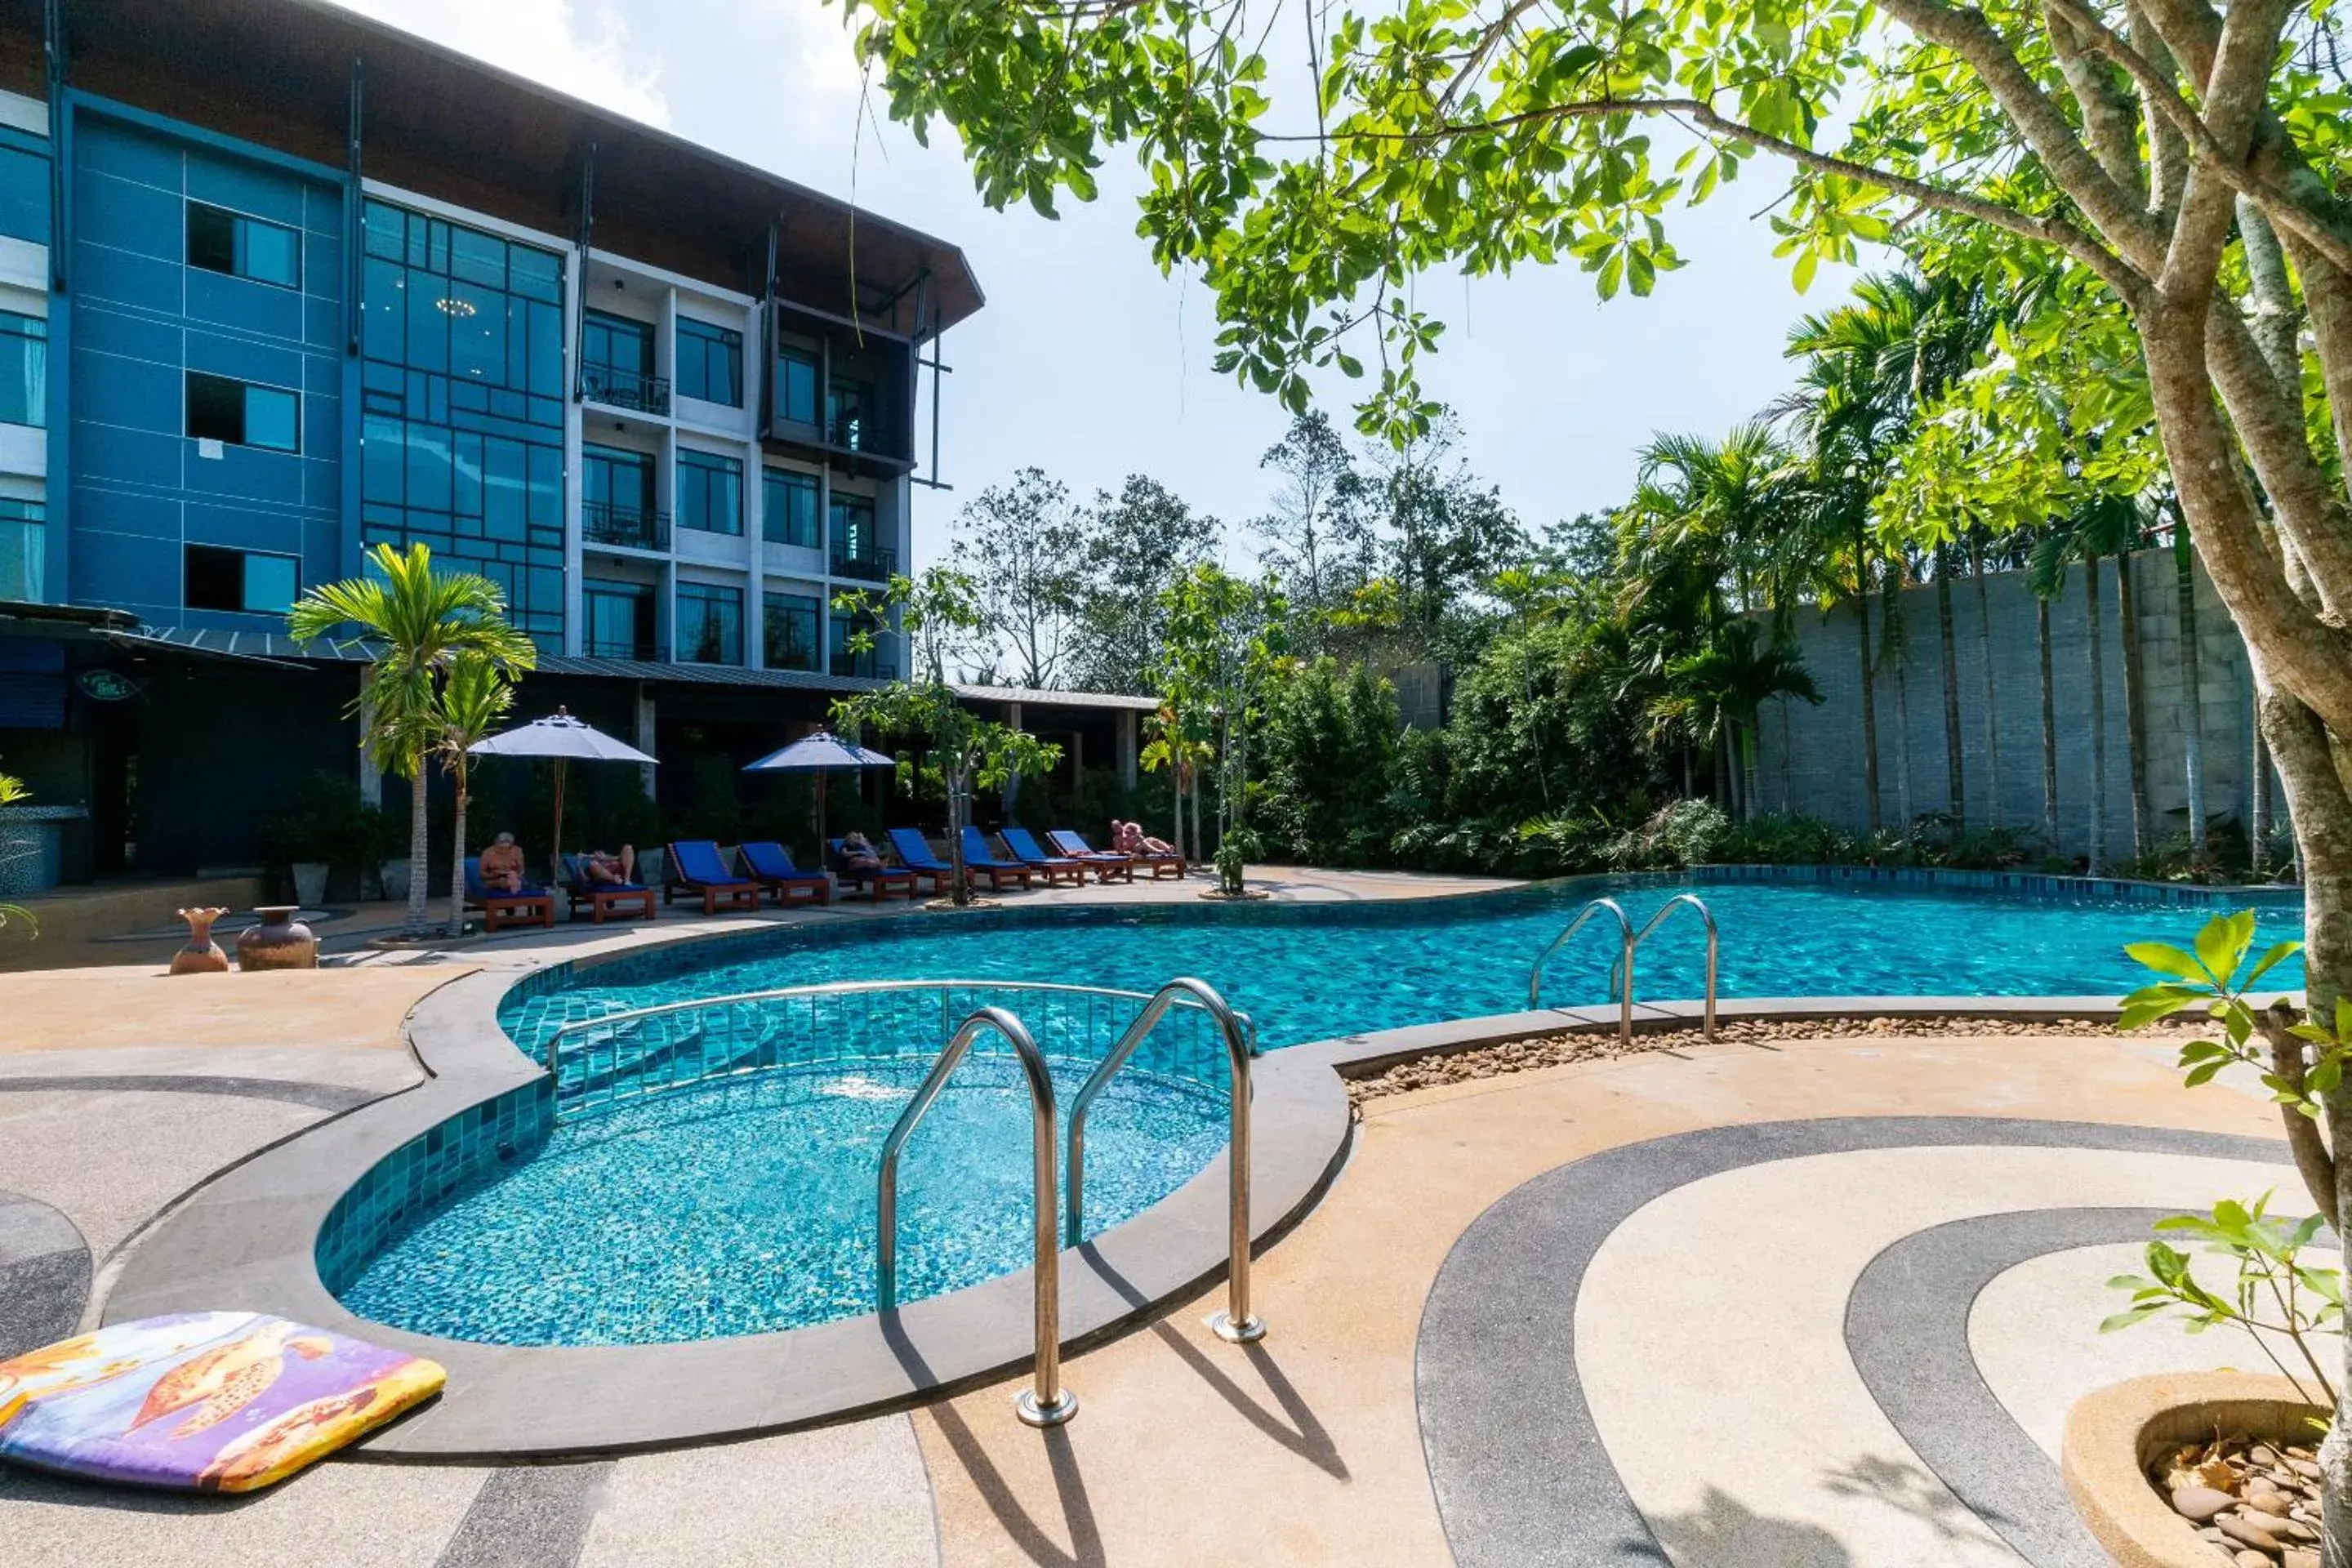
(1492, 1340)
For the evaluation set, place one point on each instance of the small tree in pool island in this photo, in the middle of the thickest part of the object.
(941, 608)
(2176, 170)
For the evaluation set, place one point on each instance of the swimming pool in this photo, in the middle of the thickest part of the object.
(1325, 971)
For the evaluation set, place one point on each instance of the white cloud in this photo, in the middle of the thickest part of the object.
(578, 47)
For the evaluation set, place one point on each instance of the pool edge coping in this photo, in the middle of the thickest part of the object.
(249, 1236)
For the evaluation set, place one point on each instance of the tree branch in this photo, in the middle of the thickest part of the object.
(2106, 113)
(2268, 419)
(2313, 1160)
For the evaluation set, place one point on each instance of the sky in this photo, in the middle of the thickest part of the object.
(1090, 364)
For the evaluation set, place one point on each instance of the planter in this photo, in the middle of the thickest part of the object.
(279, 942)
(2113, 1437)
(310, 882)
(395, 874)
(202, 954)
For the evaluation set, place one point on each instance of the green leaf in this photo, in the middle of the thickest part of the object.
(2167, 959)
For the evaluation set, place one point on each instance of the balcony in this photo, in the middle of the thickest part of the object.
(872, 566)
(634, 528)
(617, 388)
(641, 650)
(865, 666)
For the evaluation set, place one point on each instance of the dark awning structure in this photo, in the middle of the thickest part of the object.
(441, 122)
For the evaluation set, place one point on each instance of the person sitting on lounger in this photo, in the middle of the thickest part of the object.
(859, 855)
(610, 870)
(502, 865)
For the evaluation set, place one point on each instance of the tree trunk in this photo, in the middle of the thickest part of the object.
(959, 798)
(1747, 737)
(420, 854)
(2192, 737)
(2135, 707)
(1956, 783)
(2258, 798)
(2049, 728)
(1199, 851)
(1869, 700)
(457, 855)
(2095, 638)
(1787, 782)
(1991, 700)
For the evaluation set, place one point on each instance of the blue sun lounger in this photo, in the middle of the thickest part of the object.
(1055, 868)
(770, 865)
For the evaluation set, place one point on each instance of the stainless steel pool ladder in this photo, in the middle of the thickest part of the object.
(1621, 970)
(1236, 1324)
(1046, 1403)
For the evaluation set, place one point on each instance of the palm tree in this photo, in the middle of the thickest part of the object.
(1717, 692)
(2103, 525)
(474, 702)
(420, 621)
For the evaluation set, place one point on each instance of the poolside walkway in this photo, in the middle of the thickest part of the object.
(1819, 1302)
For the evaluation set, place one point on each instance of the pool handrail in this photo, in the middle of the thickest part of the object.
(1625, 965)
(1046, 1403)
(1694, 901)
(1236, 1324)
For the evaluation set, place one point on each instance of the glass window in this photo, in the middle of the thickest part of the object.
(709, 493)
(849, 415)
(24, 546)
(709, 362)
(792, 624)
(620, 617)
(24, 186)
(222, 409)
(788, 508)
(875, 663)
(709, 624)
(853, 527)
(223, 241)
(796, 373)
(246, 581)
(23, 369)
(464, 377)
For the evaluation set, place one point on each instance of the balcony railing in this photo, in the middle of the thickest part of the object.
(874, 565)
(865, 666)
(644, 652)
(605, 522)
(617, 388)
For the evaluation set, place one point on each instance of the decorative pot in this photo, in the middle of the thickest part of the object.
(310, 882)
(280, 941)
(202, 955)
(395, 879)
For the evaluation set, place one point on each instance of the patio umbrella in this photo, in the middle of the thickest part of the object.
(562, 738)
(816, 755)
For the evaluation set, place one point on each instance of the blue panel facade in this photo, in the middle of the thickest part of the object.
(143, 318)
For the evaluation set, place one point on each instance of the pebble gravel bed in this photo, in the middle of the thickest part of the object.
(2257, 1503)
(1601, 1045)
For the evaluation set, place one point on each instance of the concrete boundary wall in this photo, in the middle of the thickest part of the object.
(1810, 759)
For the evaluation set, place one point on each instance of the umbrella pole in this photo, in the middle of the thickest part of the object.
(555, 858)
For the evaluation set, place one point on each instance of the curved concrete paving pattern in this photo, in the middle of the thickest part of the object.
(1558, 1432)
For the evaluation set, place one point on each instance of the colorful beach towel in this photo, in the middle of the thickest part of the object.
(226, 1402)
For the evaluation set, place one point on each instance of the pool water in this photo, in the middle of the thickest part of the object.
(748, 1205)
(1319, 972)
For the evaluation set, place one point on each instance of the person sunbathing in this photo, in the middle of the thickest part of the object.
(610, 870)
(1128, 838)
(859, 854)
(502, 865)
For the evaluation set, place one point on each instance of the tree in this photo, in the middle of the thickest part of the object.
(1312, 545)
(1224, 642)
(1023, 547)
(941, 603)
(2177, 161)
(1136, 543)
(474, 702)
(420, 622)
(1724, 685)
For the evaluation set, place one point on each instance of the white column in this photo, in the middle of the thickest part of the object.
(1127, 747)
(644, 741)
(1012, 781)
(575, 631)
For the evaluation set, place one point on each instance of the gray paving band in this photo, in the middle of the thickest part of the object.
(45, 1274)
(1521, 1477)
(1907, 1327)
(529, 1516)
(319, 1095)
